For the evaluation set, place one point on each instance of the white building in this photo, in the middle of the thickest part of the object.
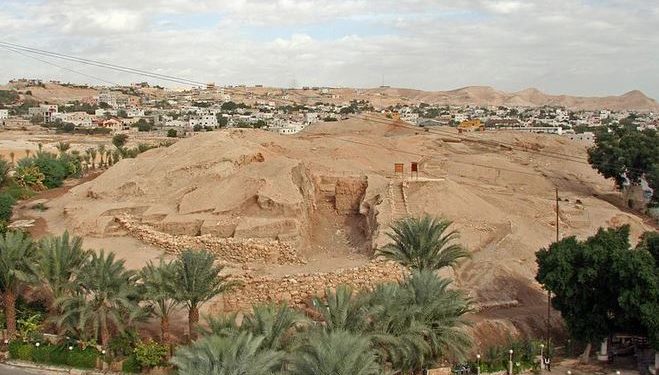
(108, 98)
(4, 114)
(407, 115)
(288, 129)
(459, 117)
(203, 120)
(79, 119)
(134, 112)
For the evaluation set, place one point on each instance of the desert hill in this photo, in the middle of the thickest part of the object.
(488, 96)
(330, 193)
(380, 97)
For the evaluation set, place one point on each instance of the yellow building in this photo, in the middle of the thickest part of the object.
(471, 125)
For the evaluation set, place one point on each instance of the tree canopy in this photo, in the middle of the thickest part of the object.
(627, 155)
(602, 285)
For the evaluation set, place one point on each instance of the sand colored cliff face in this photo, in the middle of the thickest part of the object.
(329, 194)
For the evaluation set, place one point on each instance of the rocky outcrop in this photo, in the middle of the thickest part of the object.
(226, 249)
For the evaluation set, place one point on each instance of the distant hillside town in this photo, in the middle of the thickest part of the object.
(180, 113)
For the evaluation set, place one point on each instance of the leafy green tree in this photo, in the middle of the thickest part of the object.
(602, 285)
(335, 353)
(222, 121)
(627, 155)
(106, 301)
(59, 261)
(216, 355)
(171, 133)
(119, 140)
(197, 279)
(229, 106)
(423, 244)
(160, 292)
(54, 171)
(17, 254)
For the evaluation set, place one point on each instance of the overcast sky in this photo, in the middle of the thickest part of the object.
(581, 47)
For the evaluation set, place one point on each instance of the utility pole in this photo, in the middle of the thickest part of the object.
(549, 291)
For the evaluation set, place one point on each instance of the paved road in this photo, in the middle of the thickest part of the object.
(7, 370)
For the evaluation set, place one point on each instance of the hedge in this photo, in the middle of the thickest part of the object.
(131, 365)
(54, 355)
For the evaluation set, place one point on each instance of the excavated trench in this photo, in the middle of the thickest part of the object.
(337, 221)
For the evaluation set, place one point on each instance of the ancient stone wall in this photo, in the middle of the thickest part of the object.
(226, 249)
(349, 194)
(297, 290)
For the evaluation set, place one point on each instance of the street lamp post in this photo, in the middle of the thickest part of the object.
(478, 365)
(510, 362)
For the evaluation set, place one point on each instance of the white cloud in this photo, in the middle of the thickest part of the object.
(562, 46)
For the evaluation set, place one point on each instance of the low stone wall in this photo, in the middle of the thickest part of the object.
(298, 289)
(226, 249)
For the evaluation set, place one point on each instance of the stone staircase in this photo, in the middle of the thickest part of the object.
(400, 209)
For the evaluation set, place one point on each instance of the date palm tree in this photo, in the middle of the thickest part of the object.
(217, 355)
(335, 353)
(60, 259)
(423, 244)
(101, 153)
(341, 310)
(277, 325)
(196, 280)
(17, 255)
(63, 147)
(106, 302)
(92, 155)
(160, 292)
(419, 321)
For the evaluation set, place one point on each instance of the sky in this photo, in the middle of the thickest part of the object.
(575, 47)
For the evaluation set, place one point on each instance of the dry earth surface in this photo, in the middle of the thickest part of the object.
(290, 215)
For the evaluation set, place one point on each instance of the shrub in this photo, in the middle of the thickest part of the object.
(171, 133)
(131, 365)
(30, 176)
(54, 170)
(83, 358)
(6, 206)
(150, 354)
(124, 344)
(5, 166)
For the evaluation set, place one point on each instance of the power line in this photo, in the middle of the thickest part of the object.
(101, 64)
(59, 66)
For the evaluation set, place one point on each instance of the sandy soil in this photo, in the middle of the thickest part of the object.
(497, 187)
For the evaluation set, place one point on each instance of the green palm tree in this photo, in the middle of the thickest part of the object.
(59, 262)
(116, 155)
(423, 244)
(17, 254)
(239, 355)
(63, 147)
(101, 153)
(92, 155)
(275, 323)
(106, 301)
(108, 156)
(341, 310)
(335, 353)
(197, 279)
(159, 290)
(419, 321)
